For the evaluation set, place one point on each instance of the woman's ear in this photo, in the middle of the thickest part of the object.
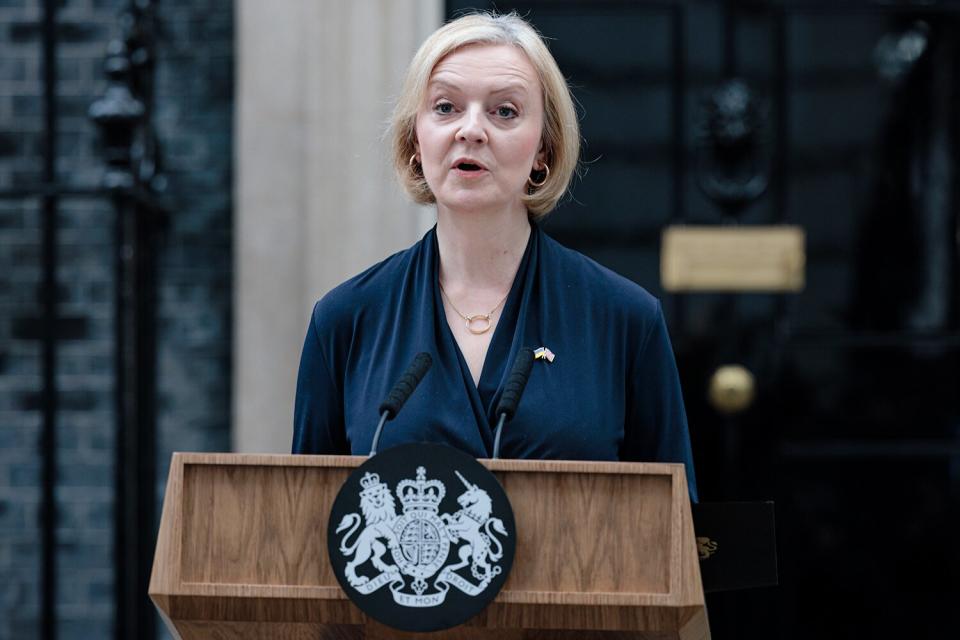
(540, 160)
(542, 155)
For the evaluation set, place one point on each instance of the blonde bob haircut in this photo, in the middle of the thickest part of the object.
(560, 139)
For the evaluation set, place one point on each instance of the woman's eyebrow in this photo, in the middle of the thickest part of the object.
(518, 87)
(442, 84)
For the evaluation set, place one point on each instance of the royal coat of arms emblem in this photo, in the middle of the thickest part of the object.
(410, 552)
(421, 537)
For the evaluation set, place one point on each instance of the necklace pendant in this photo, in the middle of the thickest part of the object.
(483, 320)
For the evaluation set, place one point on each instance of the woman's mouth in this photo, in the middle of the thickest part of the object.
(468, 169)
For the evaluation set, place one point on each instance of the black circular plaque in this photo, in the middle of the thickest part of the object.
(421, 537)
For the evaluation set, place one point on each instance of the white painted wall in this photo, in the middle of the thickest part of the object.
(315, 198)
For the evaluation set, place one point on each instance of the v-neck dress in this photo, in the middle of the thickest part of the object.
(611, 393)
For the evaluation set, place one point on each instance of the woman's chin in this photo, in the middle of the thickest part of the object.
(475, 202)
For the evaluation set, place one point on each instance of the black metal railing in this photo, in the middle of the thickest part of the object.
(48, 295)
(132, 183)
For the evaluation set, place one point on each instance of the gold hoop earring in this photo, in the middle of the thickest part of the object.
(542, 182)
(412, 163)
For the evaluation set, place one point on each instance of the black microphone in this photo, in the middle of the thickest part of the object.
(401, 391)
(512, 390)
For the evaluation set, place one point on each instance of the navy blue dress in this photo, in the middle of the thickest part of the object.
(611, 393)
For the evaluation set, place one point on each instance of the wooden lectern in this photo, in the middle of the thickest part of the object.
(604, 550)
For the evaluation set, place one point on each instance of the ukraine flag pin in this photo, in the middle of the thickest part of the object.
(543, 354)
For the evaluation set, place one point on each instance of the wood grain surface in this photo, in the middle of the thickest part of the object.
(601, 547)
(306, 631)
(281, 512)
(570, 533)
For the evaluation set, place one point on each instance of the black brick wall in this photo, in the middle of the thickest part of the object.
(194, 120)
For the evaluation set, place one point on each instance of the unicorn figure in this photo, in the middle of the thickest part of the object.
(472, 524)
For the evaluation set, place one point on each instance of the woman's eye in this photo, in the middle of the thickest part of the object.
(506, 112)
(443, 108)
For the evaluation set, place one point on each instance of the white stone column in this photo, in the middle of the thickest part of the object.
(315, 198)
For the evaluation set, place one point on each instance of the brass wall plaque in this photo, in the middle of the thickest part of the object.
(754, 258)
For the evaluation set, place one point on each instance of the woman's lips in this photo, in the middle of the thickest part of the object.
(469, 174)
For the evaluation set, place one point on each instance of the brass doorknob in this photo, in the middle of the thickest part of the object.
(732, 388)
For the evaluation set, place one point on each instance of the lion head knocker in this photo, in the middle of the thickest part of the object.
(732, 167)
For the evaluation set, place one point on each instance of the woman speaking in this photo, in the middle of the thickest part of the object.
(486, 129)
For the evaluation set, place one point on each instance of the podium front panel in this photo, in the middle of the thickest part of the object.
(605, 549)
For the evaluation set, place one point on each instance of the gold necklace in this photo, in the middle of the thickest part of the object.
(471, 321)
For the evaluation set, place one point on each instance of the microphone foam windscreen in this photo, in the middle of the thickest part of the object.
(516, 383)
(406, 384)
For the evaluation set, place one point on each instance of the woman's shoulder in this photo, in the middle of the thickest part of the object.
(349, 302)
(581, 275)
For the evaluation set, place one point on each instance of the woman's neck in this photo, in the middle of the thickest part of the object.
(481, 250)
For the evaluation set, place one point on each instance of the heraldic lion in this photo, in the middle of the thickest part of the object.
(379, 513)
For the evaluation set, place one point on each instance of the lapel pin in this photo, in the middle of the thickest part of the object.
(543, 354)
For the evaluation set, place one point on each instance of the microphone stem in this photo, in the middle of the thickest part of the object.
(496, 438)
(376, 434)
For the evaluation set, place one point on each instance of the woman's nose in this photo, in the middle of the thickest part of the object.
(472, 129)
